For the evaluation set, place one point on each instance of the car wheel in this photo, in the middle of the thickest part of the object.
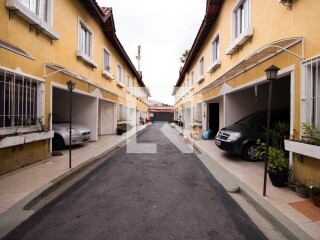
(57, 142)
(251, 152)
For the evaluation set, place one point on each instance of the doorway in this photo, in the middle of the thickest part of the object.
(214, 118)
(106, 118)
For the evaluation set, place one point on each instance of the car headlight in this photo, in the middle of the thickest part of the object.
(73, 130)
(234, 136)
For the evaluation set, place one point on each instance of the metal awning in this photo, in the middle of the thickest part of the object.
(262, 54)
(69, 72)
(14, 49)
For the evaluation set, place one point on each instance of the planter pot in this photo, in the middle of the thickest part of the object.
(292, 186)
(316, 200)
(120, 131)
(302, 148)
(278, 179)
(302, 192)
(10, 141)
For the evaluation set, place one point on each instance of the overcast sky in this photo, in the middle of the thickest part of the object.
(164, 29)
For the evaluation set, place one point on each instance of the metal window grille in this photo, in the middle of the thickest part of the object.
(21, 100)
(310, 92)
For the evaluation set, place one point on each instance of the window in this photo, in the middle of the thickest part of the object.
(241, 17)
(201, 67)
(85, 40)
(200, 70)
(39, 7)
(38, 13)
(128, 84)
(192, 78)
(120, 77)
(122, 112)
(119, 73)
(215, 53)
(133, 84)
(106, 60)
(21, 100)
(85, 44)
(198, 113)
(215, 49)
(241, 25)
(128, 81)
(310, 92)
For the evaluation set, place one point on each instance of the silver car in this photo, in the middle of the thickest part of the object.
(79, 134)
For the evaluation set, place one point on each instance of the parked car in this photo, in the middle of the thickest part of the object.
(241, 138)
(80, 134)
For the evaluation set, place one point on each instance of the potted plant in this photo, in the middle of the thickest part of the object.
(278, 162)
(277, 165)
(308, 145)
(292, 183)
(315, 195)
(121, 128)
(302, 190)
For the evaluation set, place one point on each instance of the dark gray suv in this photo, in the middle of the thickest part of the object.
(241, 138)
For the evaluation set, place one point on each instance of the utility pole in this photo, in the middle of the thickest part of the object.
(139, 57)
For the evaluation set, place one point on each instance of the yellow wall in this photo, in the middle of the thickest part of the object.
(270, 21)
(62, 52)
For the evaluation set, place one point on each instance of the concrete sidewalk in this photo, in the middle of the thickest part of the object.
(233, 173)
(22, 187)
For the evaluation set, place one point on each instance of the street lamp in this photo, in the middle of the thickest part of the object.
(70, 85)
(271, 73)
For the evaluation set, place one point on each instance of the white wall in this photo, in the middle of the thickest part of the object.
(244, 102)
(84, 109)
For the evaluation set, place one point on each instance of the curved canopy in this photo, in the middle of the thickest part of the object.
(256, 58)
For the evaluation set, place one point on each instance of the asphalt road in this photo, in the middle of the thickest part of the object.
(163, 195)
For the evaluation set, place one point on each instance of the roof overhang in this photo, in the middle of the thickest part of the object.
(14, 49)
(212, 12)
(257, 57)
(108, 26)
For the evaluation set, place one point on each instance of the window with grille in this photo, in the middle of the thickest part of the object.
(39, 7)
(241, 17)
(310, 92)
(85, 39)
(106, 60)
(21, 100)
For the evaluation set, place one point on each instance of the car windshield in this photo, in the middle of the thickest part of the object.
(253, 119)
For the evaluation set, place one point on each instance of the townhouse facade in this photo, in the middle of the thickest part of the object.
(224, 79)
(43, 45)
